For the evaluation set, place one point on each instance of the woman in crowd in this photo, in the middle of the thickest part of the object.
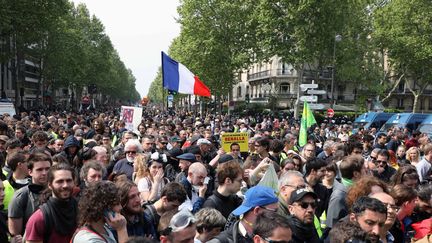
(152, 182)
(406, 175)
(363, 187)
(99, 208)
(413, 155)
(330, 175)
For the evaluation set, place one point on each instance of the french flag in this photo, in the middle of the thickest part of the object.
(176, 77)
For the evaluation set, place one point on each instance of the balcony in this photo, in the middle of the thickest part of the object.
(312, 74)
(259, 75)
(285, 72)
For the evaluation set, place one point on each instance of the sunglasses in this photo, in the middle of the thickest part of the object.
(305, 205)
(130, 152)
(181, 220)
(275, 241)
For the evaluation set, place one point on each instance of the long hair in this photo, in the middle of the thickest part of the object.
(96, 199)
(140, 162)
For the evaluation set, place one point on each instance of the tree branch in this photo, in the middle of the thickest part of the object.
(394, 88)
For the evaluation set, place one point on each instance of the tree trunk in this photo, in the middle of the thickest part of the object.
(416, 96)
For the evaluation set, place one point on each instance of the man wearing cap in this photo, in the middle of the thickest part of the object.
(185, 160)
(205, 146)
(258, 199)
(302, 207)
(174, 142)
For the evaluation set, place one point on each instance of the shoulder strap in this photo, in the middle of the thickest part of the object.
(47, 216)
(151, 214)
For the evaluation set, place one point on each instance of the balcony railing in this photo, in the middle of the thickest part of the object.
(258, 75)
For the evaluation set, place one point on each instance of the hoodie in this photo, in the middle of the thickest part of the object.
(70, 141)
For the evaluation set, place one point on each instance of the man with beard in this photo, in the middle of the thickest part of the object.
(132, 147)
(55, 221)
(26, 200)
(137, 222)
(302, 207)
(315, 171)
(392, 209)
(371, 215)
(382, 170)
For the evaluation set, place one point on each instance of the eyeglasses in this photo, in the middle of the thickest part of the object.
(274, 210)
(297, 187)
(181, 221)
(130, 152)
(305, 205)
(391, 206)
(380, 162)
(257, 145)
(274, 241)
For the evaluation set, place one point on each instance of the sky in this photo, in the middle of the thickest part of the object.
(139, 31)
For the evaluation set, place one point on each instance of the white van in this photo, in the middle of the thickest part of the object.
(7, 107)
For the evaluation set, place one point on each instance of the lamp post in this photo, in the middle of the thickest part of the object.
(337, 38)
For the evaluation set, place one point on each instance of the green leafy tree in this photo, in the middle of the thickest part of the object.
(404, 30)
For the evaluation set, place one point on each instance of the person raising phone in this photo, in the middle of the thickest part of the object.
(100, 206)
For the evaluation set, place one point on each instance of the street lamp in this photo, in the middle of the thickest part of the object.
(338, 38)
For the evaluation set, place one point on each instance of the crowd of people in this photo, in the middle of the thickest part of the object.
(69, 177)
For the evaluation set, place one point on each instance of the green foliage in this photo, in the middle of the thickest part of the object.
(71, 44)
(403, 28)
(155, 93)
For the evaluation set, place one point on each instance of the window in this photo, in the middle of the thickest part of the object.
(400, 103)
(284, 88)
(401, 86)
(239, 91)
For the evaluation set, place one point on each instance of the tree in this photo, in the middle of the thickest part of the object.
(303, 33)
(404, 30)
(216, 40)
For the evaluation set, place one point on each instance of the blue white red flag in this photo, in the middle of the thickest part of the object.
(176, 77)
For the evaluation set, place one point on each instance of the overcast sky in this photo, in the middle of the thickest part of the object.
(139, 31)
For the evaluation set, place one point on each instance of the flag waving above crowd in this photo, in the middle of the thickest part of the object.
(307, 121)
(177, 77)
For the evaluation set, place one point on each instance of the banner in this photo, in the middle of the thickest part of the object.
(131, 116)
(235, 137)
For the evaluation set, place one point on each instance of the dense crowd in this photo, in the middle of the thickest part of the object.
(70, 177)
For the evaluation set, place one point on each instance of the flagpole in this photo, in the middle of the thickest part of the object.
(163, 99)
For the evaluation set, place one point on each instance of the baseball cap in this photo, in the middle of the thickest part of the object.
(203, 141)
(175, 139)
(174, 152)
(298, 194)
(187, 156)
(4, 138)
(256, 196)
(225, 158)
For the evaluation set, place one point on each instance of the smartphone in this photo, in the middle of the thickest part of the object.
(107, 212)
(206, 180)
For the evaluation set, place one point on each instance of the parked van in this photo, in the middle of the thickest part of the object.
(404, 120)
(426, 126)
(371, 120)
(7, 107)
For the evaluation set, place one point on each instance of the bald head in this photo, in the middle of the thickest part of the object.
(391, 208)
(197, 167)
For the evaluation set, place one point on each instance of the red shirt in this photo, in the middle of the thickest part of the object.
(36, 227)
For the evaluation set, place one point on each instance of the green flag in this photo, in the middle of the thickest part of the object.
(307, 121)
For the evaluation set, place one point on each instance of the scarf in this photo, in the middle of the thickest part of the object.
(63, 214)
(302, 232)
(347, 182)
